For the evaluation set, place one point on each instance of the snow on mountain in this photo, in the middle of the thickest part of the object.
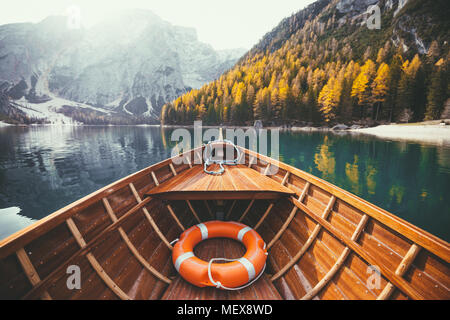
(50, 110)
(130, 64)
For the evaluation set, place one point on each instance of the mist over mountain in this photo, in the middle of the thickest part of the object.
(119, 71)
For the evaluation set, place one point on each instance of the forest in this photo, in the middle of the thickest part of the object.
(324, 74)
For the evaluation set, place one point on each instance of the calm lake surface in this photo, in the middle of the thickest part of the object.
(43, 168)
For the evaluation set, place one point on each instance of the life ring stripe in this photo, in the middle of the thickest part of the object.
(242, 232)
(181, 258)
(235, 273)
(249, 266)
(204, 230)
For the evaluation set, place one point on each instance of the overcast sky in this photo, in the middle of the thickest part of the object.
(224, 24)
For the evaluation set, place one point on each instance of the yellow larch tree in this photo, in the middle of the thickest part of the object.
(380, 86)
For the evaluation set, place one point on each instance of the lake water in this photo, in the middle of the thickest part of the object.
(43, 168)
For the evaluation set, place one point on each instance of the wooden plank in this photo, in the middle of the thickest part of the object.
(404, 265)
(149, 218)
(304, 192)
(131, 246)
(172, 213)
(154, 178)
(187, 201)
(399, 282)
(30, 271)
(174, 216)
(246, 210)
(172, 169)
(238, 182)
(289, 219)
(286, 177)
(21, 238)
(60, 271)
(261, 220)
(216, 195)
(208, 208)
(106, 278)
(330, 274)
(283, 228)
(188, 161)
(94, 263)
(291, 216)
(76, 233)
(193, 211)
(424, 239)
(227, 216)
(340, 261)
(308, 242)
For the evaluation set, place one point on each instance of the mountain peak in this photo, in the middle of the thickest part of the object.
(129, 64)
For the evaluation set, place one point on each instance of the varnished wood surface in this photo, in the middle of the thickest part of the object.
(237, 182)
(262, 289)
(321, 239)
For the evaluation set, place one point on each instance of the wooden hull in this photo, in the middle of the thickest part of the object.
(323, 242)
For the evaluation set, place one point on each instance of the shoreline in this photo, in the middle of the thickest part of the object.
(432, 132)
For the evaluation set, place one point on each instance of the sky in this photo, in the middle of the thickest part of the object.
(224, 24)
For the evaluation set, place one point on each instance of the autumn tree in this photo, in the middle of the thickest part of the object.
(362, 85)
(329, 98)
(410, 88)
(380, 87)
(437, 93)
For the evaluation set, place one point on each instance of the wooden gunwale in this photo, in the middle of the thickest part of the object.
(423, 238)
(21, 238)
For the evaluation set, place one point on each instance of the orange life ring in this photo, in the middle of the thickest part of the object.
(229, 275)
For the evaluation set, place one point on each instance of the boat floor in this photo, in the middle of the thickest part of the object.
(262, 289)
(236, 182)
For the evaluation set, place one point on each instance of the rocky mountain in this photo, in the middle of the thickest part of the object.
(335, 61)
(412, 23)
(121, 71)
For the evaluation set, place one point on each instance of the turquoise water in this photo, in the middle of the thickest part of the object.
(45, 168)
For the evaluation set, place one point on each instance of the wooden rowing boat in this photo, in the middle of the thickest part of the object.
(323, 242)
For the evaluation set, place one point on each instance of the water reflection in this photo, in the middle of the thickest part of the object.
(45, 168)
(411, 180)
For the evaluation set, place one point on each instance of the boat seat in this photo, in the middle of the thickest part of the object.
(237, 182)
